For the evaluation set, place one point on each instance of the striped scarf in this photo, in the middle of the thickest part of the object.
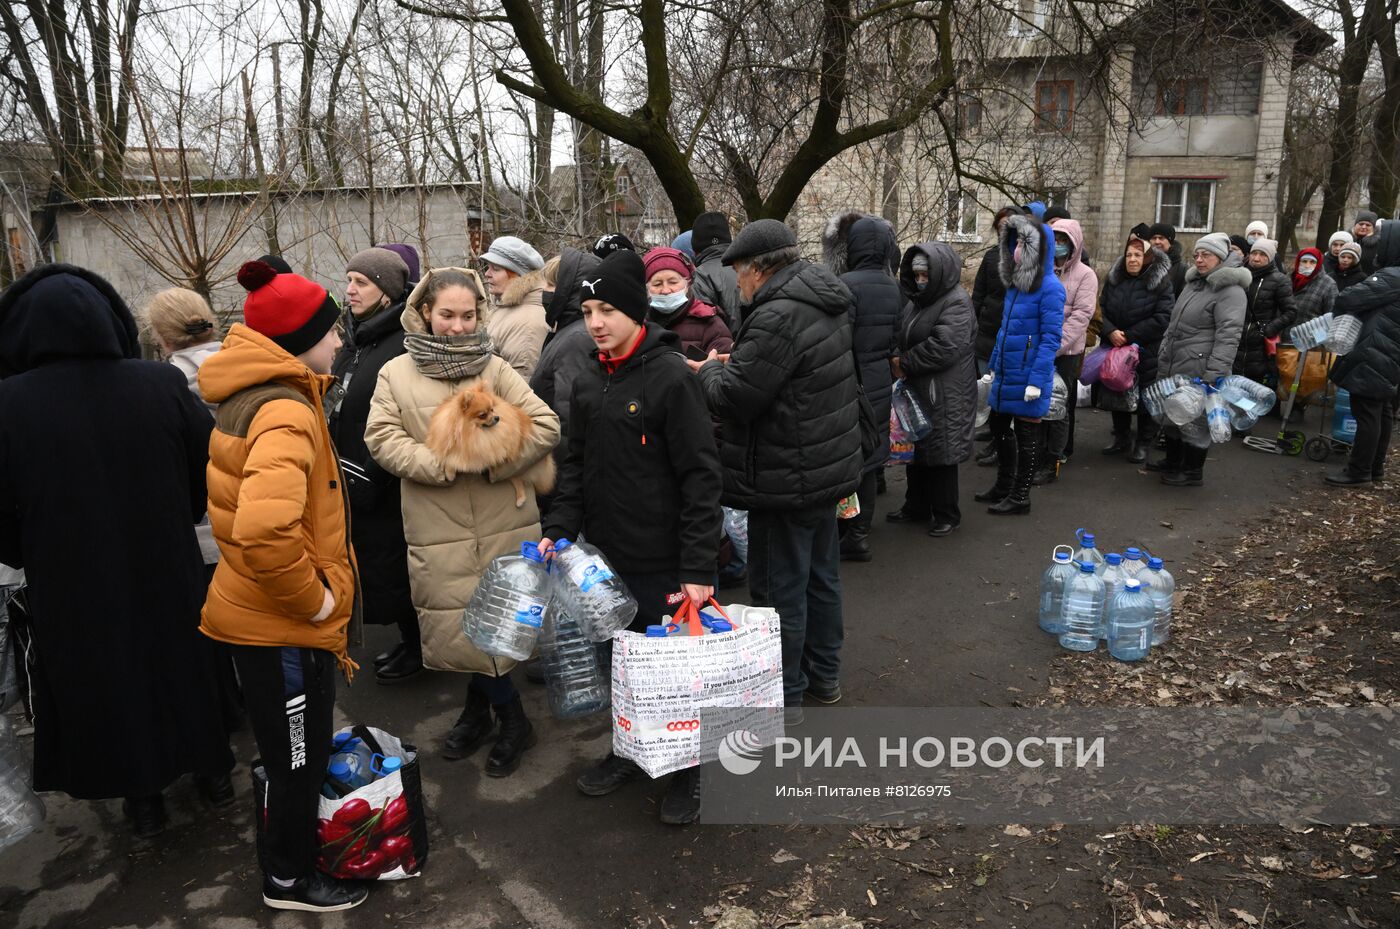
(449, 358)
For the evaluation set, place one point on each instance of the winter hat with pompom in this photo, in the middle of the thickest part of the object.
(287, 308)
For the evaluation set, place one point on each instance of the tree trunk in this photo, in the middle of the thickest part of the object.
(1385, 136)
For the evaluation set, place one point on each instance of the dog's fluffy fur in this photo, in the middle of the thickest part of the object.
(475, 430)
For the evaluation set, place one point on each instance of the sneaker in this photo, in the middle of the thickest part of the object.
(827, 695)
(613, 772)
(315, 894)
(681, 803)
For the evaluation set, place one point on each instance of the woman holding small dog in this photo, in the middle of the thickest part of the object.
(471, 444)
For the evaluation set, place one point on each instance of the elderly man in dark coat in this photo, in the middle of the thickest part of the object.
(862, 252)
(102, 460)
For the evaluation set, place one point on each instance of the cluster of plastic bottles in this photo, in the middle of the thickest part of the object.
(1205, 413)
(1343, 333)
(1312, 333)
(1123, 600)
(354, 764)
(21, 811)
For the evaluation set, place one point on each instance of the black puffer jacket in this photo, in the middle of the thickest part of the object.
(376, 525)
(1348, 278)
(641, 478)
(1141, 307)
(861, 251)
(936, 336)
(790, 434)
(1269, 312)
(568, 349)
(1372, 368)
(716, 283)
(988, 299)
(1177, 275)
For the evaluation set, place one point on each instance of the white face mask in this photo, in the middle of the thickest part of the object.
(669, 303)
(1253, 238)
(1307, 266)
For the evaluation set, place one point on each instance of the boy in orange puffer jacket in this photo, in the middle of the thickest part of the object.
(285, 590)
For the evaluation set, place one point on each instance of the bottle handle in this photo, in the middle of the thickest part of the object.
(1066, 548)
(1079, 536)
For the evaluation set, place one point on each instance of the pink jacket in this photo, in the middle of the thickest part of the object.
(1081, 289)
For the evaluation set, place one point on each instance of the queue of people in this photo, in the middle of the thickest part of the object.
(318, 467)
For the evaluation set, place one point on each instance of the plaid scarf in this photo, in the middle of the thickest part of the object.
(449, 358)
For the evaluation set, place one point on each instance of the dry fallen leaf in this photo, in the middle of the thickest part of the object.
(1020, 832)
(871, 894)
(1244, 917)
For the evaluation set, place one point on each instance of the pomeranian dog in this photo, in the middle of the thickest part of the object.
(475, 430)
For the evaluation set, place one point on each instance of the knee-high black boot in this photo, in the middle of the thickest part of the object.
(1005, 445)
(1018, 501)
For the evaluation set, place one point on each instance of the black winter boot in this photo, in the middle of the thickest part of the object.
(1018, 501)
(1193, 462)
(517, 735)
(472, 729)
(1170, 463)
(1005, 447)
(1121, 443)
(855, 543)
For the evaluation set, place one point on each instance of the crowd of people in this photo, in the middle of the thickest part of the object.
(319, 466)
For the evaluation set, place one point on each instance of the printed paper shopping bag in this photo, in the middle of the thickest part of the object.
(677, 694)
(376, 832)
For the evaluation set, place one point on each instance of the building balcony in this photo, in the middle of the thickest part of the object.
(1221, 136)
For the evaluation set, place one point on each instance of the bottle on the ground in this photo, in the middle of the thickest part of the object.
(1052, 590)
(1134, 563)
(1087, 550)
(1161, 587)
(590, 591)
(1112, 577)
(1130, 621)
(1083, 610)
(575, 679)
(505, 613)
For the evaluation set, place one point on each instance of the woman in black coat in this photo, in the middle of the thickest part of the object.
(988, 295)
(862, 251)
(378, 289)
(1136, 305)
(102, 460)
(1269, 313)
(936, 339)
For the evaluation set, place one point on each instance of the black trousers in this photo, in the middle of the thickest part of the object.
(289, 694)
(932, 491)
(1374, 417)
(1059, 434)
(1146, 425)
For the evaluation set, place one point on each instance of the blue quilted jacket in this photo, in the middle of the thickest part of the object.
(1031, 319)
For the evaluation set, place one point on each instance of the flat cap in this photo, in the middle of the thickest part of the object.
(763, 235)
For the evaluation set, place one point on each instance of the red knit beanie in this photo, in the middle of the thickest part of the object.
(668, 259)
(287, 308)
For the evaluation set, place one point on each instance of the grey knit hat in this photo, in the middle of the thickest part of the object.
(514, 254)
(919, 262)
(1352, 249)
(384, 268)
(763, 235)
(1217, 243)
(1366, 216)
(1268, 246)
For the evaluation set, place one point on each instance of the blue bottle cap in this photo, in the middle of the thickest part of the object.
(391, 765)
(1132, 583)
(656, 632)
(721, 625)
(343, 741)
(562, 544)
(1062, 557)
(1155, 563)
(1113, 558)
(1087, 540)
(339, 770)
(1086, 567)
(1133, 554)
(531, 550)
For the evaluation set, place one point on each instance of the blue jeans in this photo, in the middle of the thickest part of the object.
(794, 559)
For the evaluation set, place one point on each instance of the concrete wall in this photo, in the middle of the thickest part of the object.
(318, 233)
(1234, 193)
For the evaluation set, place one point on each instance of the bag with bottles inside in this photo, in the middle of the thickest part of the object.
(695, 680)
(372, 824)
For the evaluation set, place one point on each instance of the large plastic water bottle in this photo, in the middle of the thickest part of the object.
(576, 681)
(1052, 590)
(1218, 417)
(1161, 587)
(1130, 620)
(1083, 610)
(1134, 562)
(1088, 552)
(1113, 577)
(1343, 419)
(590, 591)
(506, 612)
(351, 763)
(21, 811)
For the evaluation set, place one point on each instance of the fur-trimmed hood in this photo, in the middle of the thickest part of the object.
(524, 289)
(1154, 275)
(1027, 254)
(1229, 272)
(857, 241)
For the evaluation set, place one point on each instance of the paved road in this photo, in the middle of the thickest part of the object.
(932, 622)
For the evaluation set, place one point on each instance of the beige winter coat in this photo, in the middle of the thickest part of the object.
(453, 527)
(518, 325)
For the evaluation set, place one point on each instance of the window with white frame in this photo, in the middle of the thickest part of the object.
(960, 222)
(1027, 18)
(1186, 203)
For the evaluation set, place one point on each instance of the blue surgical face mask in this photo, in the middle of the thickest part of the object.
(1253, 238)
(669, 303)
(1061, 249)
